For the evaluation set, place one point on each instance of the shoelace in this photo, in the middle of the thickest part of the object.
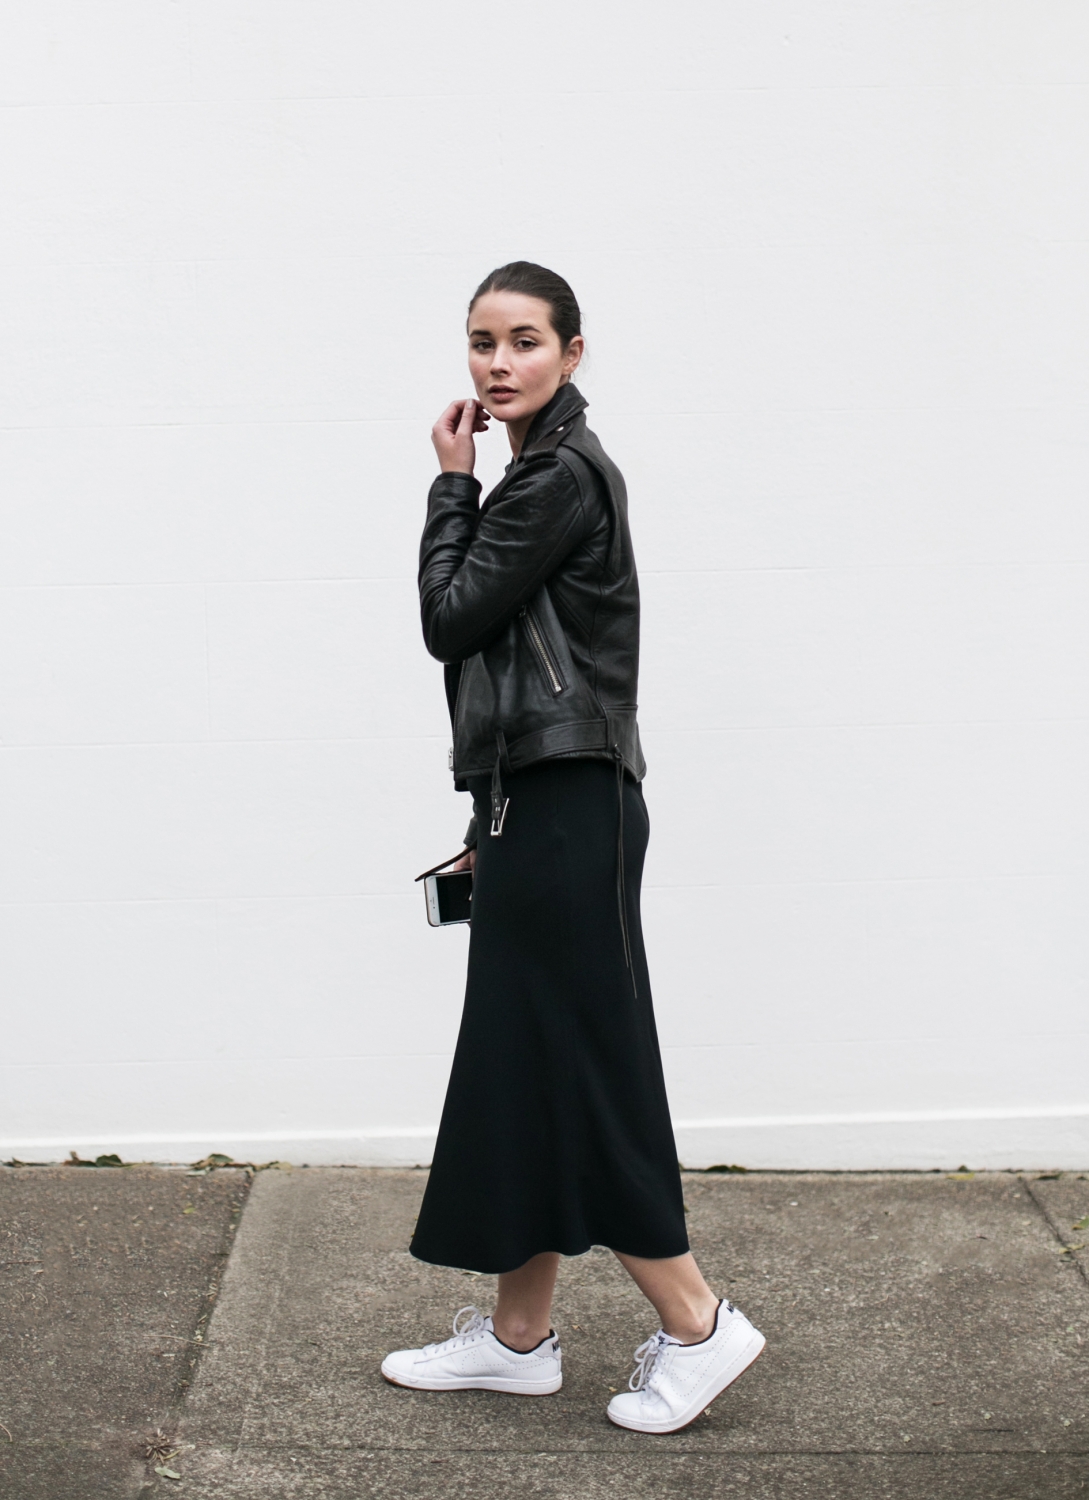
(463, 1331)
(646, 1357)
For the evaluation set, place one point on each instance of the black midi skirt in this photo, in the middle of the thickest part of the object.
(555, 1134)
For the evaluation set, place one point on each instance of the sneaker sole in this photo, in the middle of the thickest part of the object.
(737, 1366)
(483, 1383)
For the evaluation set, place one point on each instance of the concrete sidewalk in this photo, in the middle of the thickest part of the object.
(927, 1338)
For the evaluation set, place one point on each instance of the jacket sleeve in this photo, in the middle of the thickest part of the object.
(477, 568)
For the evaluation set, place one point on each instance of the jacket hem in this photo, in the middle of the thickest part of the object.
(589, 737)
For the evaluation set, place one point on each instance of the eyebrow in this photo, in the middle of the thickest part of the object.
(487, 333)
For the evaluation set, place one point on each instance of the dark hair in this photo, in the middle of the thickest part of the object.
(535, 281)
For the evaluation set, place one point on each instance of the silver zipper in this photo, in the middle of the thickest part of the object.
(542, 650)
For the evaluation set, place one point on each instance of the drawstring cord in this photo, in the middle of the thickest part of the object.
(621, 888)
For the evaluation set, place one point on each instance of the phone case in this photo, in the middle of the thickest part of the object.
(449, 896)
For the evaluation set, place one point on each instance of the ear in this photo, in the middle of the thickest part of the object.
(572, 355)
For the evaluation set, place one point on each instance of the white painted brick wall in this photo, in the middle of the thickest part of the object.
(833, 264)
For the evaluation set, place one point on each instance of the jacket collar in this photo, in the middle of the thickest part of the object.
(564, 406)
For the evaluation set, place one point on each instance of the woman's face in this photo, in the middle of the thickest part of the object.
(515, 357)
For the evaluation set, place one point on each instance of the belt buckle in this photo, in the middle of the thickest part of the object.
(499, 816)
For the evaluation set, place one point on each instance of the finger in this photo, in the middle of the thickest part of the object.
(451, 416)
(468, 416)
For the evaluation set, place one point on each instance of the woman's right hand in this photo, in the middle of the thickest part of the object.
(467, 861)
(452, 436)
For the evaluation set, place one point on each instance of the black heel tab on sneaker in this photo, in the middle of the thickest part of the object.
(551, 1334)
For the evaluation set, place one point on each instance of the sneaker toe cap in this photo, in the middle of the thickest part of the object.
(400, 1365)
(638, 1406)
(626, 1405)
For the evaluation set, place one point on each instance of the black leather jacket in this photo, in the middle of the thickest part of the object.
(532, 601)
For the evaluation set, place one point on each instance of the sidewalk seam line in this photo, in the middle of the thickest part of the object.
(1056, 1231)
(191, 1366)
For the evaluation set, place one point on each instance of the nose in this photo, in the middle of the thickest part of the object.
(500, 362)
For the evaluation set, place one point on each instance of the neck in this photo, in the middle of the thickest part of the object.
(516, 431)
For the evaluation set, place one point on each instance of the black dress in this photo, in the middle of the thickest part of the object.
(555, 1133)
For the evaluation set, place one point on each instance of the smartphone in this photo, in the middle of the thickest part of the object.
(449, 897)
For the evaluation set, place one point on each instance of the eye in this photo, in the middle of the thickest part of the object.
(526, 343)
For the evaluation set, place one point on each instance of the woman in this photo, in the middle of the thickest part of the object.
(555, 1135)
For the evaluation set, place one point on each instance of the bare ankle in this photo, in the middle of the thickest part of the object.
(693, 1324)
(517, 1335)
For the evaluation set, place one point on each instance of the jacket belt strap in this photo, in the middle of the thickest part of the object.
(499, 802)
(434, 870)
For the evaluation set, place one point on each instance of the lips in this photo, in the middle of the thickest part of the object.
(501, 392)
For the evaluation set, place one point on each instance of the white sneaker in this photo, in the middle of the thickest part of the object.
(475, 1360)
(674, 1382)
